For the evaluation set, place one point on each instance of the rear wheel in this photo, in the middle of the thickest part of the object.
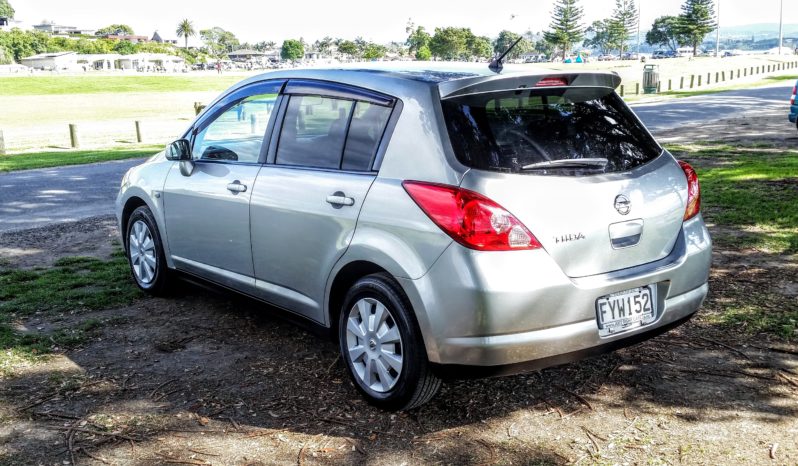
(145, 252)
(382, 345)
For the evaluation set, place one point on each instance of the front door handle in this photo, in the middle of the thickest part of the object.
(236, 187)
(339, 199)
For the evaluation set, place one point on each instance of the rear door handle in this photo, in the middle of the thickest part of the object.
(236, 187)
(339, 199)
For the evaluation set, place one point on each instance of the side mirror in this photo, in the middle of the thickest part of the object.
(179, 150)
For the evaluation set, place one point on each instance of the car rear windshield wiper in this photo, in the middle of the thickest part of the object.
(567, 163)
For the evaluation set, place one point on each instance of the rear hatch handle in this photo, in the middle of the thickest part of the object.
(626, 234)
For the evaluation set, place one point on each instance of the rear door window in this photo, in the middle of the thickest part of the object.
(365, 132)
(314, 131)
(514, 131)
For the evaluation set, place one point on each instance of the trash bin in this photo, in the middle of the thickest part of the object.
(650, 79)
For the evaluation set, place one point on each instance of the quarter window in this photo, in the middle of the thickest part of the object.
(314, 131)
(365, 133)
(237, 134)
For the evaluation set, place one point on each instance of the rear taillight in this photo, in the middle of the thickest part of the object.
(693, 191)
(794, 93)
(549, 82)
(470, 218)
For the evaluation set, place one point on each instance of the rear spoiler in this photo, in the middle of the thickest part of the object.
(514, 82)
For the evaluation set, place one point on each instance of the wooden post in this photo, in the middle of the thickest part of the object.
(73, 136)
(670, 87)
(621, 89)
(709, 78)
(138, 131)
(681, 83)
(717, 77)
(2, 143)
(699, 79)
(692, 80)
(253, 123)
(637, 88)
(659, 86)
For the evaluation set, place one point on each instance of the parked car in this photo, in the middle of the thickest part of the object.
(630, 56)
(607, 57)
(794, 106)
(439, 220)
(659, 54)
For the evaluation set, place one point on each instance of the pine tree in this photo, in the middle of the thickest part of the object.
(624, 22)
(696, 21)
(566, 25)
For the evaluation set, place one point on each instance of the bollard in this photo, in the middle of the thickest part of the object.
(138, 131)
(2, 143)
(717, 77)
(681, 83)
(637, 88)
(709, 81)
(699, 79)
(621, 89)
(669, 85)
(73, 136)
(253, 123)
(659, 86)
(692, 80)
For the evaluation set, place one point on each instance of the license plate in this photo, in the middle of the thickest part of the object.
(626, 310)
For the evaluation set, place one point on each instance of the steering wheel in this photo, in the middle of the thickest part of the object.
(517, 134)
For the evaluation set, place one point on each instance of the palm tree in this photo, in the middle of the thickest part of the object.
(186, 29)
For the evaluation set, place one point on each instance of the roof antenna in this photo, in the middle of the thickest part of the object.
(496, 64)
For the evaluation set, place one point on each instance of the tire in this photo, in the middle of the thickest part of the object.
(145, 254)
(370, 351)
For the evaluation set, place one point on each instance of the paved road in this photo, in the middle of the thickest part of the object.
(34, 198)
(673, 113)
(41, 197)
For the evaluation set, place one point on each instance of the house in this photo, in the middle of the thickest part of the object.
(61, 30)
(100, 61)
(157, 38)
(58, 61)
(245, 55)
(152, 62)
(127, 37)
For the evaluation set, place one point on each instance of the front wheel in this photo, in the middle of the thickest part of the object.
(382, 345)
(145, 253)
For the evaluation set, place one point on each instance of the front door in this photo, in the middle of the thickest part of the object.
(207, 212)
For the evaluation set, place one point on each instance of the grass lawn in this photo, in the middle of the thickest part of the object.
(26, 161)
(73, 284)
(57, 85)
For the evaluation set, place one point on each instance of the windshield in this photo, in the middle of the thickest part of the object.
(520, 131)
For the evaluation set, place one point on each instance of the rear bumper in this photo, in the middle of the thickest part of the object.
(518, 309)
(793, 114)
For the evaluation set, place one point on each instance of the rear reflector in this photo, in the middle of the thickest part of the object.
(470, 218)
(550, 82)
(693, 191)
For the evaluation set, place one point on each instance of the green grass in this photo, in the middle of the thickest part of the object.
(72, 284)
(752, 191)
(56, 85)
(29, 160)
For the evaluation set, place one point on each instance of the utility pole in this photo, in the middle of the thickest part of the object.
(781, 24)
(639, 9)
(717, 34)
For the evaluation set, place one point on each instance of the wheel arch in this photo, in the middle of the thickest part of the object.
(342, 281)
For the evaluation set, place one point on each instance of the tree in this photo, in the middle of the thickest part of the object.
(185, 29)
(506, 39)
(603, 35)
(696, 21)
(423, 54)
(292, 49)
(218, 41)
(451, 43)
(665, 32)
(6, 10)
(115, 30)
(624, 22)
(480, 47)
(374, 51)
(125, 47)
(323, 46)
(347, 47)
(418, 39)
(566, 26)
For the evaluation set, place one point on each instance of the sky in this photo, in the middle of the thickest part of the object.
(376, 21)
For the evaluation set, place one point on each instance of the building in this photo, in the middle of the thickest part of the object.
(7, 24)
(245, 55)
(128, 37)
(60, 30)
(152, 62)
(157, 38)
(59, 61)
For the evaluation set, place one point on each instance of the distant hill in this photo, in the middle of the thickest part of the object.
(758, 31)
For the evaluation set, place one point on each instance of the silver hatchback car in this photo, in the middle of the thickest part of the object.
(439, 221)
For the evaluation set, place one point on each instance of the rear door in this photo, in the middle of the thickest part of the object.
(207, 213)
(306, 201)
(576, 167)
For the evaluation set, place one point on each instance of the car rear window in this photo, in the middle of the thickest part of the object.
(508, 131)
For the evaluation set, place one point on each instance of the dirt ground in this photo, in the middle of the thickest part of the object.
(207, 377)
